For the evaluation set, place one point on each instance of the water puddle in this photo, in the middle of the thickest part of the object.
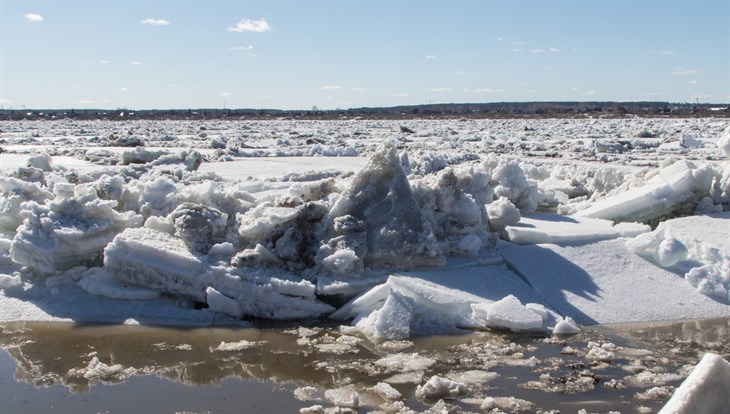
(67, 368)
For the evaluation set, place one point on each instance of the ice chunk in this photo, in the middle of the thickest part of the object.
(507, 313)
(219, 302)
(697, 247)
(538, 228)
(657, 197)
(566, 326)
(159, 261)
(604, 282)
(14, 192)
(392, 321)
(343, 397)
(10, 281)
(502, 213)
(68, 231)
(439, 387)
(98, 282)
(705, 390)
(381, 197)
(724, 142)
(386, 391)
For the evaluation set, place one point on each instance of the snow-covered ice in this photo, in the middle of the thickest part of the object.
(464, 224)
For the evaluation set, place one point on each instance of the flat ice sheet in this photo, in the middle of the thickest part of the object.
(605, 282)
(538, 228)
(267, 167)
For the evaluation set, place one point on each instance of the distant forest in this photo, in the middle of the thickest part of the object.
(494, 110)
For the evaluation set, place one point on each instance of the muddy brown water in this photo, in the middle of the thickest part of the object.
(68, 368)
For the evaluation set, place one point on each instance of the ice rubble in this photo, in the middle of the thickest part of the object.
(410, 238)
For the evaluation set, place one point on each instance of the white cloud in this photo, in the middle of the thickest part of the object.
(136, 63)
(249, 47)
(461, 73)
(684, 72)
(499, 39)
(545, 68)
(693, 82)
(359, 89)
(401, 94)
(248, 25)
(104, 62)
(575, 88)
(439, 89)
(226, 94)
(124, 89)
(484, 90)
(517, 50)
(430, 56)
(331, 87)
(155, 22)
(537, 51)
(32, 17)
(521, 42)
(554, 50)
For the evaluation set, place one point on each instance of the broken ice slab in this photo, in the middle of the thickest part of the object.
(605, 282)
(539, 228)
(159, 261)
(71, 230)
(658, 196)
(447, 300)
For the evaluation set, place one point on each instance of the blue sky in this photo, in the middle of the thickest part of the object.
(342, 54)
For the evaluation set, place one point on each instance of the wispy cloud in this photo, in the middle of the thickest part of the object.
(439, 89)
(32, 17)
(155, 22)
(241, 48)
(518, 50)
(520, 42)
(331, 87)
(592, 92)
(537, 51)
(124, 89)
(684, 72)
(430, 56)
(104, 62)
(136, 63)
(693, 82)
(484, 90)
(401, 94)
(554, 50)
(359, 89)
(663, 52)
(248, 25)
(499, 39)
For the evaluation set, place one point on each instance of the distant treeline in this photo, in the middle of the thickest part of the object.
(435, 111)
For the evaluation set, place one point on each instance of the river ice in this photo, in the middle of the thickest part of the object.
(464, 224)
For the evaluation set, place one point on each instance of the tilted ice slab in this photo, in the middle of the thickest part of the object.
(159, 261)
(657, 197)
(444, 300)
(605, 282)
(697, 247)
(705, 391)
(539, 228)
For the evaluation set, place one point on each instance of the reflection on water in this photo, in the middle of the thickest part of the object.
(607, 368)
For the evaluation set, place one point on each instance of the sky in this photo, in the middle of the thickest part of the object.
(347, 54)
